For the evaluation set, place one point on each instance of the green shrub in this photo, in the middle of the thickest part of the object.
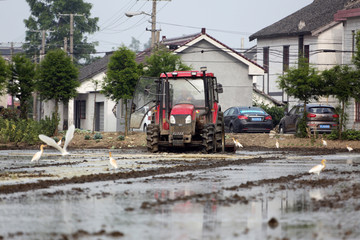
(87, 137)
(25, 130)
(97, 136)
(121, 138)
(348, 134)
(276, 112)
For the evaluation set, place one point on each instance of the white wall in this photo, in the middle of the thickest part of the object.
(352, 24)
(86, 92)
(88, 87)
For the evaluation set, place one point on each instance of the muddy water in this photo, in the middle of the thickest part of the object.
(247, 195)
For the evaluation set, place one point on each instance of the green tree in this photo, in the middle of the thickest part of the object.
(45, 16)
(57, 78)
(163, 60)
(343, 83)
(21, 83)
(147, 44)
(304, 83)
(135, 45)
(4, 74)
(122, 75)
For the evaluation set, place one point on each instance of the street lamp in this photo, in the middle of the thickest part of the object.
(131, 14)
(153, 21)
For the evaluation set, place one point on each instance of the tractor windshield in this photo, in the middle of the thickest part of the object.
(143, 102)
(185, 90)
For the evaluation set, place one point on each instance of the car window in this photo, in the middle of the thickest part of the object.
(322, 110)
(231, 112)
(226, 112)
(236, 112)
(252, 111)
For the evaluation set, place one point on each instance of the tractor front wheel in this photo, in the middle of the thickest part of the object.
(152, 138)
(208, 136)
(220, 133)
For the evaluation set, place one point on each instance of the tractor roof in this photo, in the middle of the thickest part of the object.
(182, 74)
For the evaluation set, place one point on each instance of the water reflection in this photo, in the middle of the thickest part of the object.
(291, 210)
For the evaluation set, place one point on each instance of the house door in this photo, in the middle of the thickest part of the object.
(80, 108)
(99, 112)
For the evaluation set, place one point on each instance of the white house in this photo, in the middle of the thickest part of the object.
(312, 32)
(233, 70)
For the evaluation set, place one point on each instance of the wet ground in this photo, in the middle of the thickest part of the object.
(252, 194)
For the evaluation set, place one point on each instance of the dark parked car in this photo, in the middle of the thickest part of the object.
(247, 119)
(320, 118)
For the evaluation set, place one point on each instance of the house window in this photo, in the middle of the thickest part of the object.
(301, 46)
(307, 53)
(286, 58)
(353, 43)
(357, 112)
(266, 59)
(82, 109)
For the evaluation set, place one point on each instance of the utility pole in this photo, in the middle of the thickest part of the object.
(153, 24)
(72, 32)
(42, 55)
(65, 44)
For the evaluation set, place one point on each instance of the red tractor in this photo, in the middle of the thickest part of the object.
(187, 112)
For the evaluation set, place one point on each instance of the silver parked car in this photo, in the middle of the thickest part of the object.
(320, 118)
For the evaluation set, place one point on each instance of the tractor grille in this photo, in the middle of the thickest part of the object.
(180, 119)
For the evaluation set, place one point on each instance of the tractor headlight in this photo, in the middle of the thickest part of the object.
(188, 119)
(172, 119)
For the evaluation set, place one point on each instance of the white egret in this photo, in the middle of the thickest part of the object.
(318, 168)
(113, 162)
(349, 148)
(237, 143)
(51, 142)
(324, 142)
(38, 154)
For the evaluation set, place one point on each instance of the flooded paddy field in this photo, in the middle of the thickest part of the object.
(265, 194)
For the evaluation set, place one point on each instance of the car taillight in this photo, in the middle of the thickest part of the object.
(242, 117)
(311, 115)
(268, 118)
(335, 116)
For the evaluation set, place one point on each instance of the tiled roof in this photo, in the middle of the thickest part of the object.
(94, 68)
(312, 17)
(171, 43)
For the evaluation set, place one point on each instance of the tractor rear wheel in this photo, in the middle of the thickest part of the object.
(208, 136)
(220, 133)
(152, 138)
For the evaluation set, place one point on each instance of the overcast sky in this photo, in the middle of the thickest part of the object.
(229, 21)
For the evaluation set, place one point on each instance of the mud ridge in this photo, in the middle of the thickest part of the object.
(195, 165)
